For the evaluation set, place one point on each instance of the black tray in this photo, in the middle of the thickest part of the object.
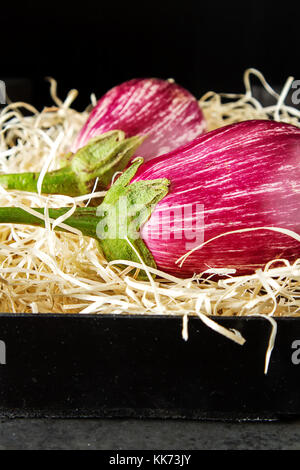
(139, 366)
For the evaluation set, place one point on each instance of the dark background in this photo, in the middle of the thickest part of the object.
(92, 46)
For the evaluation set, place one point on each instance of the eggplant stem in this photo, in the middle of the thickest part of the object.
(62, 181)
(84, 219)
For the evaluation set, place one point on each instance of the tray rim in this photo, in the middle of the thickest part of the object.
(243, 318)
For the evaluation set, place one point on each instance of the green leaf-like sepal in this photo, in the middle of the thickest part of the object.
(102, 157)
(125, 208)
(97, 161)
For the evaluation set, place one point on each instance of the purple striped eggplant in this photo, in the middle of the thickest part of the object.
(147, 117)
(242, 176)
(160, 109)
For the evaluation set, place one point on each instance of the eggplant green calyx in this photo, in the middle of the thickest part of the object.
(96, 162)
(125, 208)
